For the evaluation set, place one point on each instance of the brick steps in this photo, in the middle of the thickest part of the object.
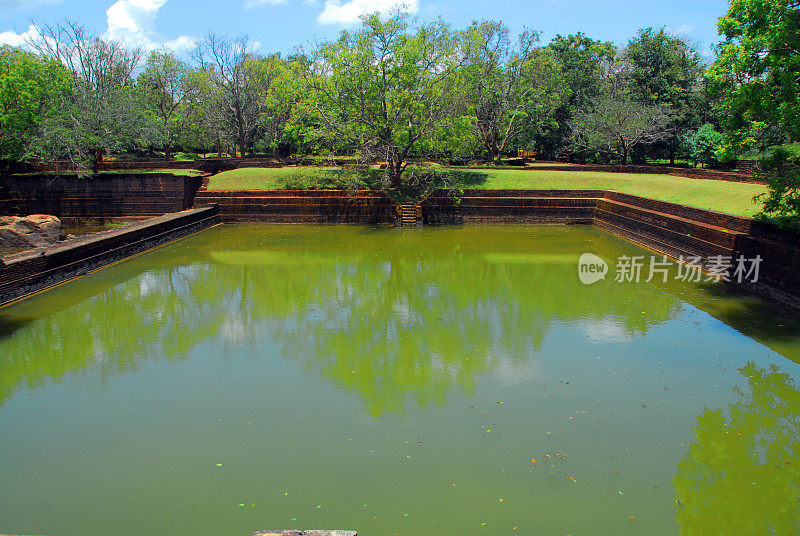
(408, 215)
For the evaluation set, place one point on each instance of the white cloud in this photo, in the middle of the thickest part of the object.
(131, 23)
(336, 12)
(248, 4)
(14, 39)
(683, 29)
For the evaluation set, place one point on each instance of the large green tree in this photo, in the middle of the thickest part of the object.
(387, 88)
(583, 61)
(667, 70)
(756, 78)
(31, 87)
(616, 121)
(163, 87)
(510, 90)
(234, 104)
(756, 75)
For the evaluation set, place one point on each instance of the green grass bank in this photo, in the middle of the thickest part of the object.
(730, 197)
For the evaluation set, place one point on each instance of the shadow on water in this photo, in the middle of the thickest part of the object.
(8, 326)
(770, 324)
(742, 472)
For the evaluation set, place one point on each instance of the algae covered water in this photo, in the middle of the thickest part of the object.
(424, 382)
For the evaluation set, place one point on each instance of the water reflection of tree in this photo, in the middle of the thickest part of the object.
(742, 474)
(382, 315)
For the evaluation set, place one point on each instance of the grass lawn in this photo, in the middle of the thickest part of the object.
(265, 178)
(730, 197)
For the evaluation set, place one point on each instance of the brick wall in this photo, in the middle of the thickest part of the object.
(302, 206)
(103, 196)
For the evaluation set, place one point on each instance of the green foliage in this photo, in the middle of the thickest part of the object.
(512, 93)
(386, 88)
(704, 145)
(665, 69)
(31, 88)
(581, 61)
(781, 170)
(755, 76)
(163, 87)
(103, 112)
(617, 122)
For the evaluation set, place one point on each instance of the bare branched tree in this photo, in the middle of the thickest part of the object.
(615, 121)
(100, 114)
(226, 63)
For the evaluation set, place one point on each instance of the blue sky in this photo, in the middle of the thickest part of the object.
(281, 25)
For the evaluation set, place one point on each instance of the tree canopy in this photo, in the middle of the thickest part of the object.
(396, 93)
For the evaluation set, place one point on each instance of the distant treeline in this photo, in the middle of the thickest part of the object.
(397, 91)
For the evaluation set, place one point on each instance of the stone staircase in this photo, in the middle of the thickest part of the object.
(410, 215)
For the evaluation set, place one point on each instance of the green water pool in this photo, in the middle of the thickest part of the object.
(426, 382)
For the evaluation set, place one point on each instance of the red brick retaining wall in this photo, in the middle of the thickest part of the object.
(303, 206)
(104, 196)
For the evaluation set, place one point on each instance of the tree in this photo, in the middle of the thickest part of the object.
(582, 62)
(279, 88)
(31, 87)
(227, 65)
(510, 90)
(386, 88)
(207, 127)
(780, 169)
(616, 121)
(101, 112)
(704, 144)
(756, 75)
(667, 70)
(163, 88)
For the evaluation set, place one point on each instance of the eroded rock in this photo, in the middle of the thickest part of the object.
(37, 230)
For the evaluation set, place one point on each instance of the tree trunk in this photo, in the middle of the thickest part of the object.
(624, 154)
(167, 152)
(242, 143)
(489, 154)
(97, 158)
(672, 150)
(397, 173)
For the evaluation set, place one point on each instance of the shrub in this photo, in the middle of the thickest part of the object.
(780, 169)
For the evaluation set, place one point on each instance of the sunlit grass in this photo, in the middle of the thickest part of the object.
(724, 196)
